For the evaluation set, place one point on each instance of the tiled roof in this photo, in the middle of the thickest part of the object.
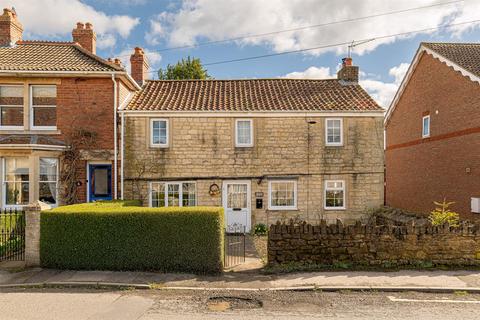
(466, 55)
(252, 95)
(31, 139)
(52, 56)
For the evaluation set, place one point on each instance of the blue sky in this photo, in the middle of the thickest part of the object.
(160, 24)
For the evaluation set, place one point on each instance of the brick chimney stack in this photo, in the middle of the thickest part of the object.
(84, 35)
(348, 72)
(10, 28)
(139, 66)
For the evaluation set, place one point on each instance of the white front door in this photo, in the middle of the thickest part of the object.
(236, 203)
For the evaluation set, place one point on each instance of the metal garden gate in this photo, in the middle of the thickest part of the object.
(234, 245)
(12, 235)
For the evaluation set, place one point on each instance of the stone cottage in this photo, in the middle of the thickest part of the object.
(264, 149)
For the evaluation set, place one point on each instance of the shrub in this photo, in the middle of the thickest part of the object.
(442, 215)
(260, 229)
(112, 236)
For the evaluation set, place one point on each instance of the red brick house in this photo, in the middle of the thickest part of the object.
(58, 103)
(433, 131)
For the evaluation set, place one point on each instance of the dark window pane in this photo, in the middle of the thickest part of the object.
(45, 116)
(11, 116)
(101, 182)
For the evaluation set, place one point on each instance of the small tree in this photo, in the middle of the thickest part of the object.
(190, 68)
(442, 214)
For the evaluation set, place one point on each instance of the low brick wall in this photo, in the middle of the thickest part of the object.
(373, 244)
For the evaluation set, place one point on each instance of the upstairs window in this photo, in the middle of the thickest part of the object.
(159, 133)
(11, 107)
(43, 112)
(243, 133)
(426, 127)
(333, 132)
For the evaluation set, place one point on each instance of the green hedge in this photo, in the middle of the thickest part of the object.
(112, 236)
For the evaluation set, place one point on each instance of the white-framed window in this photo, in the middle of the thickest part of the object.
(11, 107)
(426, 126)
(16, 181)
(173, 194)
(43, 107)
(159, 133)
(334, 195)
(334, 132)
(282, 195)
(243, 132)
(48, 181)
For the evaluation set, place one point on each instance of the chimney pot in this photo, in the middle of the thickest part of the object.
(85, 37)
(139, 66)
(11, 29)
(348, 72)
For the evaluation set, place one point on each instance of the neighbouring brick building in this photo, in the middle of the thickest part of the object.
(58, 105)
(433, 130)
(264, 149)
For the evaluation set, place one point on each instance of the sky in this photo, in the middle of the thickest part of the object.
(162, 26)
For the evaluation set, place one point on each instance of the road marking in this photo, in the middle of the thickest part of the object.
(393, 299)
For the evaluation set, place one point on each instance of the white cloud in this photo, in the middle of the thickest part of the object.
(311, 73)
(57, 18)
(382, 92)
(222, 19)
(153, 57)
(106, 40)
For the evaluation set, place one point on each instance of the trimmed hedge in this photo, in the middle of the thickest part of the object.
(112, 236)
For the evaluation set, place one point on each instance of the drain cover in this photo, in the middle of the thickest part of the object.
(223, 303)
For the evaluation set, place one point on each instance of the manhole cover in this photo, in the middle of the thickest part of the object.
(228, 303)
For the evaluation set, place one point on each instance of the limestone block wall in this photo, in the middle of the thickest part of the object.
(202, 149)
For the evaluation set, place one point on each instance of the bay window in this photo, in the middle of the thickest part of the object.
(48, 181)
(173, 194)
(16, 181)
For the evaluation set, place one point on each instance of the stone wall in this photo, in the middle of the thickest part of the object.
(373, 244)
(202, 149)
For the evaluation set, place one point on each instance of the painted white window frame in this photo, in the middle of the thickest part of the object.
(4, 184)
(31, 107)
(167, 130)
(423, 126)
(335, 189)
(295, 195)
(7, 105)
(166, 183)
(334, 144)
(237, 143)
(56, 182)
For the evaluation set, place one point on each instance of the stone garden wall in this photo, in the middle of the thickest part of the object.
(374, 245)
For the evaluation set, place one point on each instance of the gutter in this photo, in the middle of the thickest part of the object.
(115, 156)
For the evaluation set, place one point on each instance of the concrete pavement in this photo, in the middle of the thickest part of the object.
(407, 279)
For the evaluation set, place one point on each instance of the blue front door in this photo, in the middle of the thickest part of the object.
(100, 182)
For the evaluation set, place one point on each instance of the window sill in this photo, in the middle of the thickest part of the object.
(335, 209)
(333, 145)
(34, 131)
(152, 146)
(283, 209)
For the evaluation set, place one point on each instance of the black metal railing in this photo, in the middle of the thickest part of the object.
(12, 235)
(234, 245)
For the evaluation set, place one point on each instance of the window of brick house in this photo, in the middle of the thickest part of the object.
(48, 181)
(426, 126)
(11, 107)
(243, 133)
(334, 194)
(16, 181)
(43, 111)
(282, 195)
(334, 132)
(159, 133)
(173, 194)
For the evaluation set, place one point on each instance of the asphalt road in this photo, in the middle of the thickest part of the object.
(75, 304)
